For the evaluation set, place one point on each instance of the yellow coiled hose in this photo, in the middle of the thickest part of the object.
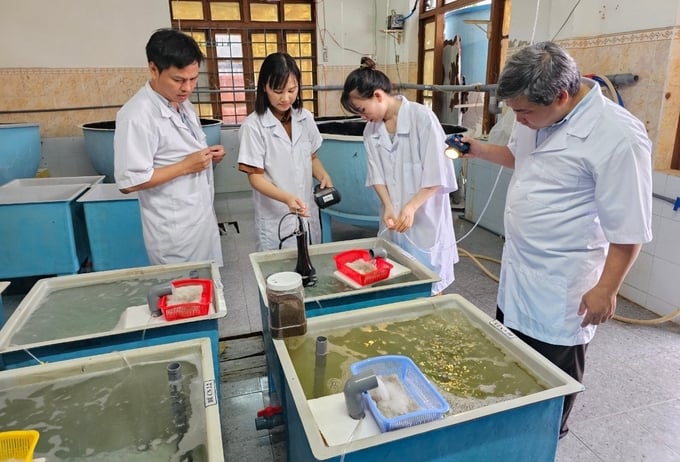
(476, 260)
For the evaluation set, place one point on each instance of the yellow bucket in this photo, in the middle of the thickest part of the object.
(18, 445)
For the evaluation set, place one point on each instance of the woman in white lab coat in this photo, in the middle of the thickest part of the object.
(407, 168)
(278, 144)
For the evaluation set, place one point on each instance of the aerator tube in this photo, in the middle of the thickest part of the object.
(354, 387)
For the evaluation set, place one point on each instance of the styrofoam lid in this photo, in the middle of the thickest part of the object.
(39, 194)
(285, 280)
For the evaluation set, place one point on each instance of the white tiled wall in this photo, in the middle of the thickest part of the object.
(654, 280)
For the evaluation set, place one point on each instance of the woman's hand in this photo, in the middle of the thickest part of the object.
(297, 206)
(405, 220)
(389, 218)
(325, 181)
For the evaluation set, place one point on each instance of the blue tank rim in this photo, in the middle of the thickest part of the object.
(356, 128)
(110, 125)
(18, 125)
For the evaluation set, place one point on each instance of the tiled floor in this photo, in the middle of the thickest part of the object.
(629, 412)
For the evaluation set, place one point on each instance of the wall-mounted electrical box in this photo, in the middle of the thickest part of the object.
(395, 21)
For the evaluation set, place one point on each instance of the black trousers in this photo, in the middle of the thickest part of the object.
(571, 359)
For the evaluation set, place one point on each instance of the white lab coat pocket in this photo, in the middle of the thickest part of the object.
(533, 301)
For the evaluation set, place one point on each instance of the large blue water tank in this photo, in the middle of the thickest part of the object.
(20, 151)
(99, 142)
(344, 158)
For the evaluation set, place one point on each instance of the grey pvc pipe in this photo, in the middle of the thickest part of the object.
(321, 346)
(174, 372)
(417, 86)
(178, 400)
(159, 290)
(354, 387)
(621, 80)
(377, 252)
(320, 365)
(155, 293)
(267, 423)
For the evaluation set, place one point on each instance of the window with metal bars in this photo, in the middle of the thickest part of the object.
(235, 37)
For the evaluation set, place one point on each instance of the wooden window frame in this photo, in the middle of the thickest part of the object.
(675, 156)
(499, 27)
(245, 27)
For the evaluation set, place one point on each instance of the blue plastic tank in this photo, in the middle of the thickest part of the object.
(20, 151)
(99, 143)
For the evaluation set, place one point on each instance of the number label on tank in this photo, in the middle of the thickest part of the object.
(504, 330)
(209, 393)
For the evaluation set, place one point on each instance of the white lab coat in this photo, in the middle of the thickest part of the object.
(416, 160)
(287, 163)
(586, 185)
(178, 217)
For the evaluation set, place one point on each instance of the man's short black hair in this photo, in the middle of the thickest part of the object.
(169, 47)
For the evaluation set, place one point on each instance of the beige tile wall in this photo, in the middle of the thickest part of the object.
(47, 95)
(652, 55)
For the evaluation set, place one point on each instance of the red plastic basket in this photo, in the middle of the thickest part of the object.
(189, 309)
(381, 272)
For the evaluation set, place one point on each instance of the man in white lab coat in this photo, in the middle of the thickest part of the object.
(578, 207)
(160, 152)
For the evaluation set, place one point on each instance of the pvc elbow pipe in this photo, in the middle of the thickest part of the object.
(377, 252)
(159, 290)
(354, 387)
(155, 293)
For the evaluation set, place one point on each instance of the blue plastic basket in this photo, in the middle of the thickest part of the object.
(432, 404)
